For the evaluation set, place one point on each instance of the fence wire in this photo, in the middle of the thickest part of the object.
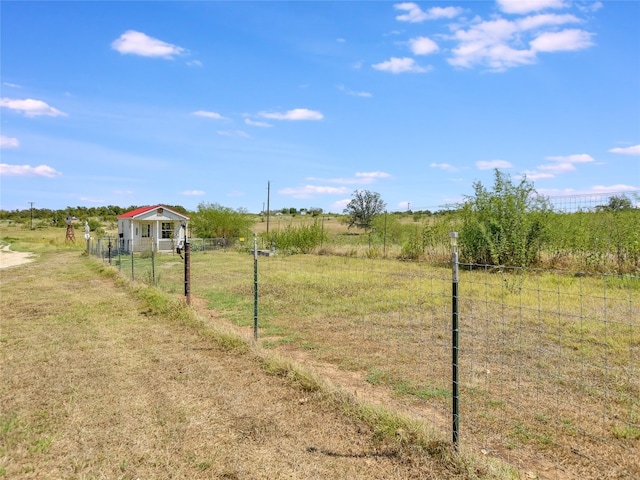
(549, 359)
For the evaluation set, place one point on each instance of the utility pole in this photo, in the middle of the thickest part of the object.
(268, 209)
(31, 204)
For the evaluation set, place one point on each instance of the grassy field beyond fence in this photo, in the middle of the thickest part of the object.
(549, 360)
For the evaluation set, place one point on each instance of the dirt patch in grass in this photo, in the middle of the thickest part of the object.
(9, 258)
(95, 385)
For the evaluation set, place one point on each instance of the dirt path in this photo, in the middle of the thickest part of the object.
(9, 258)
(93, 386)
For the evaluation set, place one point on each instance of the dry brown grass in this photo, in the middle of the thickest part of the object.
(549, 361)
(97, 384)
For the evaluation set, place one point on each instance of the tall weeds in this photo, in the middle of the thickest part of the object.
(297, 239)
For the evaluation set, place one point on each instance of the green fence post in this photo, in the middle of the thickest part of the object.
(187, 270)
(454, 331)
(153, 264)
(255, 288)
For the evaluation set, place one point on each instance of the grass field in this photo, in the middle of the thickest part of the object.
(106, 379)
(549, 361)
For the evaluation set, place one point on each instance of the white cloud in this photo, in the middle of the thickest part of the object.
(9, 142)
(194, 63)
(558, 168)
(31, 108)
(634, 150)
(295, 114)
(399, 65)
(361, 178)
(138, 43)
(340, 205)
(444, 166)
(372, 175)
(498, 43)
(354, 93)
(579, 158)
(566, 40)
(255, 123)
(212, 115)
(491, 164)
(527, 6)
(536, 21)
(533, 175)
(423, 46)
(563, 164)
(444, 12)
(310, 190)
(12, 85)
(192, 193)
(487, 43)
(28, 171)
(416, 15)
(589, 6)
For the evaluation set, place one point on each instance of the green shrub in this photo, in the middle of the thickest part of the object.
(506, 226)
(412, 248)
(215, 221)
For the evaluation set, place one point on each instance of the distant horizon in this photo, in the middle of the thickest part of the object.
(592, 199)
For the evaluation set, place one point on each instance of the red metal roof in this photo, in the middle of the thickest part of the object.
(141, 210)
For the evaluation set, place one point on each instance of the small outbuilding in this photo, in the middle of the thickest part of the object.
(154, 227)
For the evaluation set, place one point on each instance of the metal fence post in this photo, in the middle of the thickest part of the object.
(255, 287)
(454, 331)
(187, 270)
(153, 264)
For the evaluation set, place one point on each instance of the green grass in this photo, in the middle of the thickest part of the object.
(627, 432)
(423, 392)
(402, 387)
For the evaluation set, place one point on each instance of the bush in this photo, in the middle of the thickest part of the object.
(215, 221)
(506, 226)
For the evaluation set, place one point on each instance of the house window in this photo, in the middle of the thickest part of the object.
(146, 230)
(167, 230)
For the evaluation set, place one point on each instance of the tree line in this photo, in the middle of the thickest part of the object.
(107, 213)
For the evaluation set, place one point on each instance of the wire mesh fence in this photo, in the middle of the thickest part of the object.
(549, 359)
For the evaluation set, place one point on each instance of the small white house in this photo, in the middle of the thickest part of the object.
(154, 227)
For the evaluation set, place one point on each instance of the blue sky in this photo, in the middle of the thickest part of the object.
(139, 103)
